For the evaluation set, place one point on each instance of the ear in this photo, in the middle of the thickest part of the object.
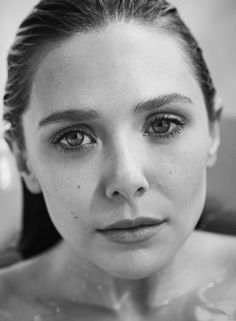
(24, 166)
(214, 135)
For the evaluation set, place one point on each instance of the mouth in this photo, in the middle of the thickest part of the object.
(131, 231)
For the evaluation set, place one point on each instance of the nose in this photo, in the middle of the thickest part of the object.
(126, 178)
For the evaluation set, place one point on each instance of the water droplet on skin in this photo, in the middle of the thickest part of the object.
(165, 302)
(211, 285)
(58, 310)
(99, 287)
(55, 306)
(38, 318)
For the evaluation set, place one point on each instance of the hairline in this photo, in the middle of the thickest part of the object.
(47, 46)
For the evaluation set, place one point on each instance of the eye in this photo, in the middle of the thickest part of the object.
(164, 125)
(74, 139)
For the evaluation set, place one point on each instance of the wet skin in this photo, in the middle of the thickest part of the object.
(119, 113)
(210, 279)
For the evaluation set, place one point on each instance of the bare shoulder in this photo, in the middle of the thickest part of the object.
(25, 296)
(13, 282)
(19, 284)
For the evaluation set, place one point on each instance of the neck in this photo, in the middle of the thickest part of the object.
(83, 282)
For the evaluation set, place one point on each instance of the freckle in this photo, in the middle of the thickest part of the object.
(76, 217)
(72, 213)
(170, 172)
(78, 187)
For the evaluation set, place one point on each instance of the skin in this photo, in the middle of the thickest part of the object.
(122, 173)
(111, 72)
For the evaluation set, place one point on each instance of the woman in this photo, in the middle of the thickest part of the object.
(114, 120)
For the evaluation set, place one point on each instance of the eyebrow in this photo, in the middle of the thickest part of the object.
(69, 115)
(82, 115)
(161, 101)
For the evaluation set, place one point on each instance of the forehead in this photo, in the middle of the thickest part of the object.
(105, 65)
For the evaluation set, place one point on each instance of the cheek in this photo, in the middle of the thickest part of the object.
(180, 168)
(68, 188)
(69, 192)
(187, 170)
(181, 176)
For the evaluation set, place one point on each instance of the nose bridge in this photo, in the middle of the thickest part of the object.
(125, 156)
(126, 175)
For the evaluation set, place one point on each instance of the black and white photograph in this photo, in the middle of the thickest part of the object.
(118, 160)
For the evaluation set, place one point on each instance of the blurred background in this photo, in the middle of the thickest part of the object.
(213, 22)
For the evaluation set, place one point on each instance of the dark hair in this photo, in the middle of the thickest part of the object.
(53, 21)
(38, 232)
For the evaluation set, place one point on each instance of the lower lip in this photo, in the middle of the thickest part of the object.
(132, 235)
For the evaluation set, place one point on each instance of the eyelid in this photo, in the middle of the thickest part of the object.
(55, 139)
(169, 116)
(167, 113)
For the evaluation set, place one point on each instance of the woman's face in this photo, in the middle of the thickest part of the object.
(117, 129)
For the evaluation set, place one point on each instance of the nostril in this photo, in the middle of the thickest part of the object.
(127, 193)
(115, 193)
(140, 190)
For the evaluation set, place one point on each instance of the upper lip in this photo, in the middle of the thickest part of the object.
(138, 222)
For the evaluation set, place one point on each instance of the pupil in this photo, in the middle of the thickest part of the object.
(75, 139)
(161, 126)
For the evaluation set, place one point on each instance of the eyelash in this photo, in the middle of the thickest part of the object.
(170, 119)
(64, 134)
(84, 131)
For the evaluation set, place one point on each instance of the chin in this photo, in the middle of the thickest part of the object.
(133, 274)
(135, 267)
